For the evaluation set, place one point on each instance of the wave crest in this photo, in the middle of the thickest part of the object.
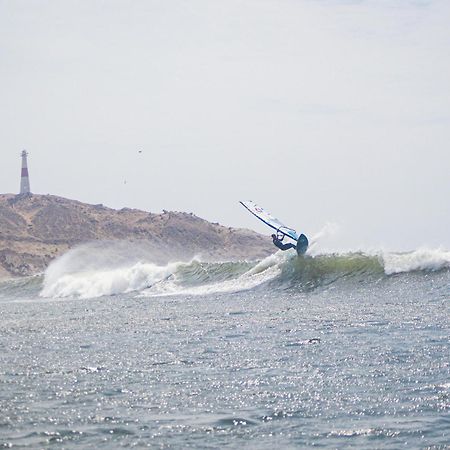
(68, 277)
(422, 259)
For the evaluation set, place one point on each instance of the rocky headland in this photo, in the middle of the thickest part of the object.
(35, 229)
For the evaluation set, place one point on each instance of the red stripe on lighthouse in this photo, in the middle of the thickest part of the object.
(24, 172)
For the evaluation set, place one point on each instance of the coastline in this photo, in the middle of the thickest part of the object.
(36, 229)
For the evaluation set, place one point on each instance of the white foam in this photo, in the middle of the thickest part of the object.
(264, 271)
(422, 259)
(86, 273)
(93, 271)
(103, 268)
(95, 283)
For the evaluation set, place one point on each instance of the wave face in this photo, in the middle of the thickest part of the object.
(71, 276)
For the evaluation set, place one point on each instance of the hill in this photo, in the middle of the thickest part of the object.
(35, 229)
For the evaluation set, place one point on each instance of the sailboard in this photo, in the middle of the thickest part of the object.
(273, 222)
(270, 220)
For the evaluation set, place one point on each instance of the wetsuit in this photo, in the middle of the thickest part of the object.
(277, 242)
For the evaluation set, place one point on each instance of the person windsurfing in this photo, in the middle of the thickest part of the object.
(301, 242)
(278, 243)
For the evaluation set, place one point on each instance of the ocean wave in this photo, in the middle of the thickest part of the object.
(96, 283)
(67, 277)
(419, 260)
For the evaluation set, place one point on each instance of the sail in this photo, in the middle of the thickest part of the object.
(270, 220)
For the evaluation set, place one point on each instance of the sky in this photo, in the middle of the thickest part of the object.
(328, 113)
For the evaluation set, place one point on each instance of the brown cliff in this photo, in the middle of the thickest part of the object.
(35, 229)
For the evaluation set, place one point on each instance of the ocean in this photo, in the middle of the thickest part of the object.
(333, 350)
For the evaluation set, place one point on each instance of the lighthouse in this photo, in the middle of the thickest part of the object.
(24, 179)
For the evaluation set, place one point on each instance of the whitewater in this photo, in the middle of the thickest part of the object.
(72, 275)
(111, 349)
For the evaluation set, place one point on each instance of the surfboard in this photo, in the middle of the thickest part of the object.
(273, 222)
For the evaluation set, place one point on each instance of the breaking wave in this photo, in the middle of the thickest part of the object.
(68, 277)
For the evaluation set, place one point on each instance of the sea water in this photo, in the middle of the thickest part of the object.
(338, 351)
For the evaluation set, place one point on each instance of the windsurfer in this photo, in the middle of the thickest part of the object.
(278, 243)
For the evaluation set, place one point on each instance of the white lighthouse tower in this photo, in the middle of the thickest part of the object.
(24, 179)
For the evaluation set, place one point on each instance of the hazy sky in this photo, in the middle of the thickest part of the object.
(319, 110)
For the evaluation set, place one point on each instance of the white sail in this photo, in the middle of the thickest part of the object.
(270, 220)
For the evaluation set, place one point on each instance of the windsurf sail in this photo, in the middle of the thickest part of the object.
(270, 220)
